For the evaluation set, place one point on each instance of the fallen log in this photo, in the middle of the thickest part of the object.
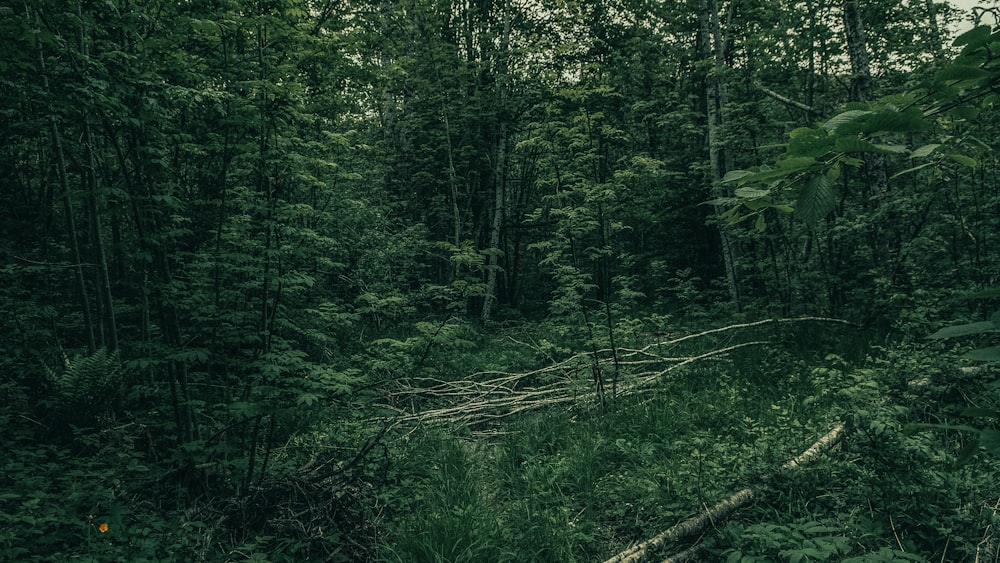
(720, 510)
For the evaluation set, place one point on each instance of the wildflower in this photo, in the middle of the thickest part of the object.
(103, 527)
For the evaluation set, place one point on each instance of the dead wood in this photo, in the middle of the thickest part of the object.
(720, 510)
(490, 396)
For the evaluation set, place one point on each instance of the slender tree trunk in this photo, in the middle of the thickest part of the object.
(456, 214)
(74, 242)
(863, 90)
(90, 174)
(499, 173)
(719, 159)
(862, 86)
(935, 30)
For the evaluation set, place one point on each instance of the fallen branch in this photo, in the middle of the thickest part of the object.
(720, 510)
(783, 99)
(489, 396)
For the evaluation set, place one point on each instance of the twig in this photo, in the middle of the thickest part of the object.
(895, 535)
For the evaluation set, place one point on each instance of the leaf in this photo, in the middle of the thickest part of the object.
(735, 175)
(846, 117)
(751, 193)
(818, 197)
(991, 354)
(990, 439)
(975, 37)
(760, 224)
(785, 168)
(833, 173)
(962, 73)
(886, 121)
(987, 293)
(964, 330)
(964, 160)
(924, 151)
(855, 144)
(981, 412)
(911, 170)
(889, 149)
(809, 142)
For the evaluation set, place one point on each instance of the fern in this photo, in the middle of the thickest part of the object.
(88, 385)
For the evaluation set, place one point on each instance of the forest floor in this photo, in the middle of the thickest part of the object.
(584, 480)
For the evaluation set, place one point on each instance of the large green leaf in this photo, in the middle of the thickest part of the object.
(846, 117)
(981, 412)
(990, 439)
(924, 151)
(784, 168)
(991, 354)
(817, 198)
(856, 144)
(964, 160)
(988, 293)
(885, 121)
(809, 142)
(975, 37)
(964, 330)
(962, 73)
(751, 193)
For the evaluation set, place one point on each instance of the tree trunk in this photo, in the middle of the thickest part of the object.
(862, 87)
(60, 163)
(104, 278)
(863, 90)
(720, 160)
(499, 172)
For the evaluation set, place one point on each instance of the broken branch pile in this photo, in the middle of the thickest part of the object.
(490, 396)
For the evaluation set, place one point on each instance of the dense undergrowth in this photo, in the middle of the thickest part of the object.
(577, 481)
(582, 483)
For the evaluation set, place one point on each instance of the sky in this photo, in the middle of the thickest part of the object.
(965, 6)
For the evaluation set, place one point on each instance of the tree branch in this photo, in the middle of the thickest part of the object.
(783, 99)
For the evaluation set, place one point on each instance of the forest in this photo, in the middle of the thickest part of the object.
(499, 280)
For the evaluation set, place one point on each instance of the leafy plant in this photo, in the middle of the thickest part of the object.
(987, 436)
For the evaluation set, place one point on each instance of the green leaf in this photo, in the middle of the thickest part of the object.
(843, 118)
(924, 151)
(990, 439)
(991, 354)
(833, 173)
(964, 330)
(988, 293)
(886, 121)
(853, 144)
(889, 149)
(981, 412)
(911, 170)
(818, 197)
(961, 73)
(760, 224)
(785, 168)
(856, 144)
(735, 175)
(809, 142)
(964, 160)
(751, 193)
(975, 37)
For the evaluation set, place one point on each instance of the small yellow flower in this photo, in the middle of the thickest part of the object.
(103, 527)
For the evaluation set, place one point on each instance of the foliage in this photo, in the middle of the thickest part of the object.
(236, 236)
